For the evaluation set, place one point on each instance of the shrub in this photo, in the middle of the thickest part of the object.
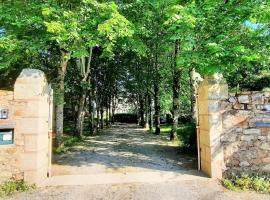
(69, 141)
(258, 183)
(12, 186)
(187, 136)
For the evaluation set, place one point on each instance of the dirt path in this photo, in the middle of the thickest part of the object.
(123, 148)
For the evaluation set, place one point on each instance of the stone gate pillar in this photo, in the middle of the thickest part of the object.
(31, 114)
(210, 93)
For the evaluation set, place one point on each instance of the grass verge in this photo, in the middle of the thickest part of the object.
(11, 187)
(68, 142)
(258, 183)
(186, 135)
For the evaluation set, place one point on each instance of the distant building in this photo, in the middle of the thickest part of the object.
(124, 105)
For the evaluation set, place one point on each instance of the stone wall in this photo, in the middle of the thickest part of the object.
(233, 130)
(246, 132)
(29, 157)
(10, 154)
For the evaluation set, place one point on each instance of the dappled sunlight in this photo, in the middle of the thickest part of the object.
(123, 149)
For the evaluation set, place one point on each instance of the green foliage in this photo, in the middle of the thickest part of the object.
(68, 142)
(258, 183)
(11, 187)
(186, 135)
(133, 45)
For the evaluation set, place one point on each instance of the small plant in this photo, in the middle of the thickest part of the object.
(13, 186)
(258, 183)
(69, 141)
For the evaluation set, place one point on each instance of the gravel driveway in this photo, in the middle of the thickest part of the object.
(127, 149)
(123, 148)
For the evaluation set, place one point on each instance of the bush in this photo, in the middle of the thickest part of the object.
(258, 183)
(12, 186)
(69, 141)
(187, 136)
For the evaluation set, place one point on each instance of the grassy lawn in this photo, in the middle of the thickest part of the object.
(186, 135)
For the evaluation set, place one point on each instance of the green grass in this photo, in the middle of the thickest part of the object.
(11, 187)
(186, 135)
(258, 183)
(68, 142)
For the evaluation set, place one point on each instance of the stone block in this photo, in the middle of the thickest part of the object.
(262, 138)
(239, 130)
(246, 113)
(247, 138)
(203, 105)
(31, 84)
(265, 131)
(265, 146)
(257, 98)
(266, 160)
(204, 122)
(233, 99)
(202, 92)
(215, 122)
(206, 167)
(268, 138)
(204, 138)
(214, 88)
(32, 126)
(228, 137)
(266, 168)
(259, 106)
(244, 164)
(232, 121)
(252, 131)
(218, 92)
(238, 106)
(206, 153)
(35, 142)
(35, 176)
(33, 108)
(243, 99)
(214, 106)
(33, 160)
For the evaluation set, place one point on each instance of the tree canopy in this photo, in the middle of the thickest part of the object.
(95, 52)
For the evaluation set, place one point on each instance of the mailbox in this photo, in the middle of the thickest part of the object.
(3, 113)
(6, 136)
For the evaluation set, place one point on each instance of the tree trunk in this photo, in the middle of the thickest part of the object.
(157, 96)
(176, 92)
(141, 101)
(80, 116)
(157, 108)
(113, 109)
(98, 117)
(60, 99)
(150, 114)
(146, 112)
(91, 114)
(86, 78)
(110, 111)
(101, 117)
(107, 115)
